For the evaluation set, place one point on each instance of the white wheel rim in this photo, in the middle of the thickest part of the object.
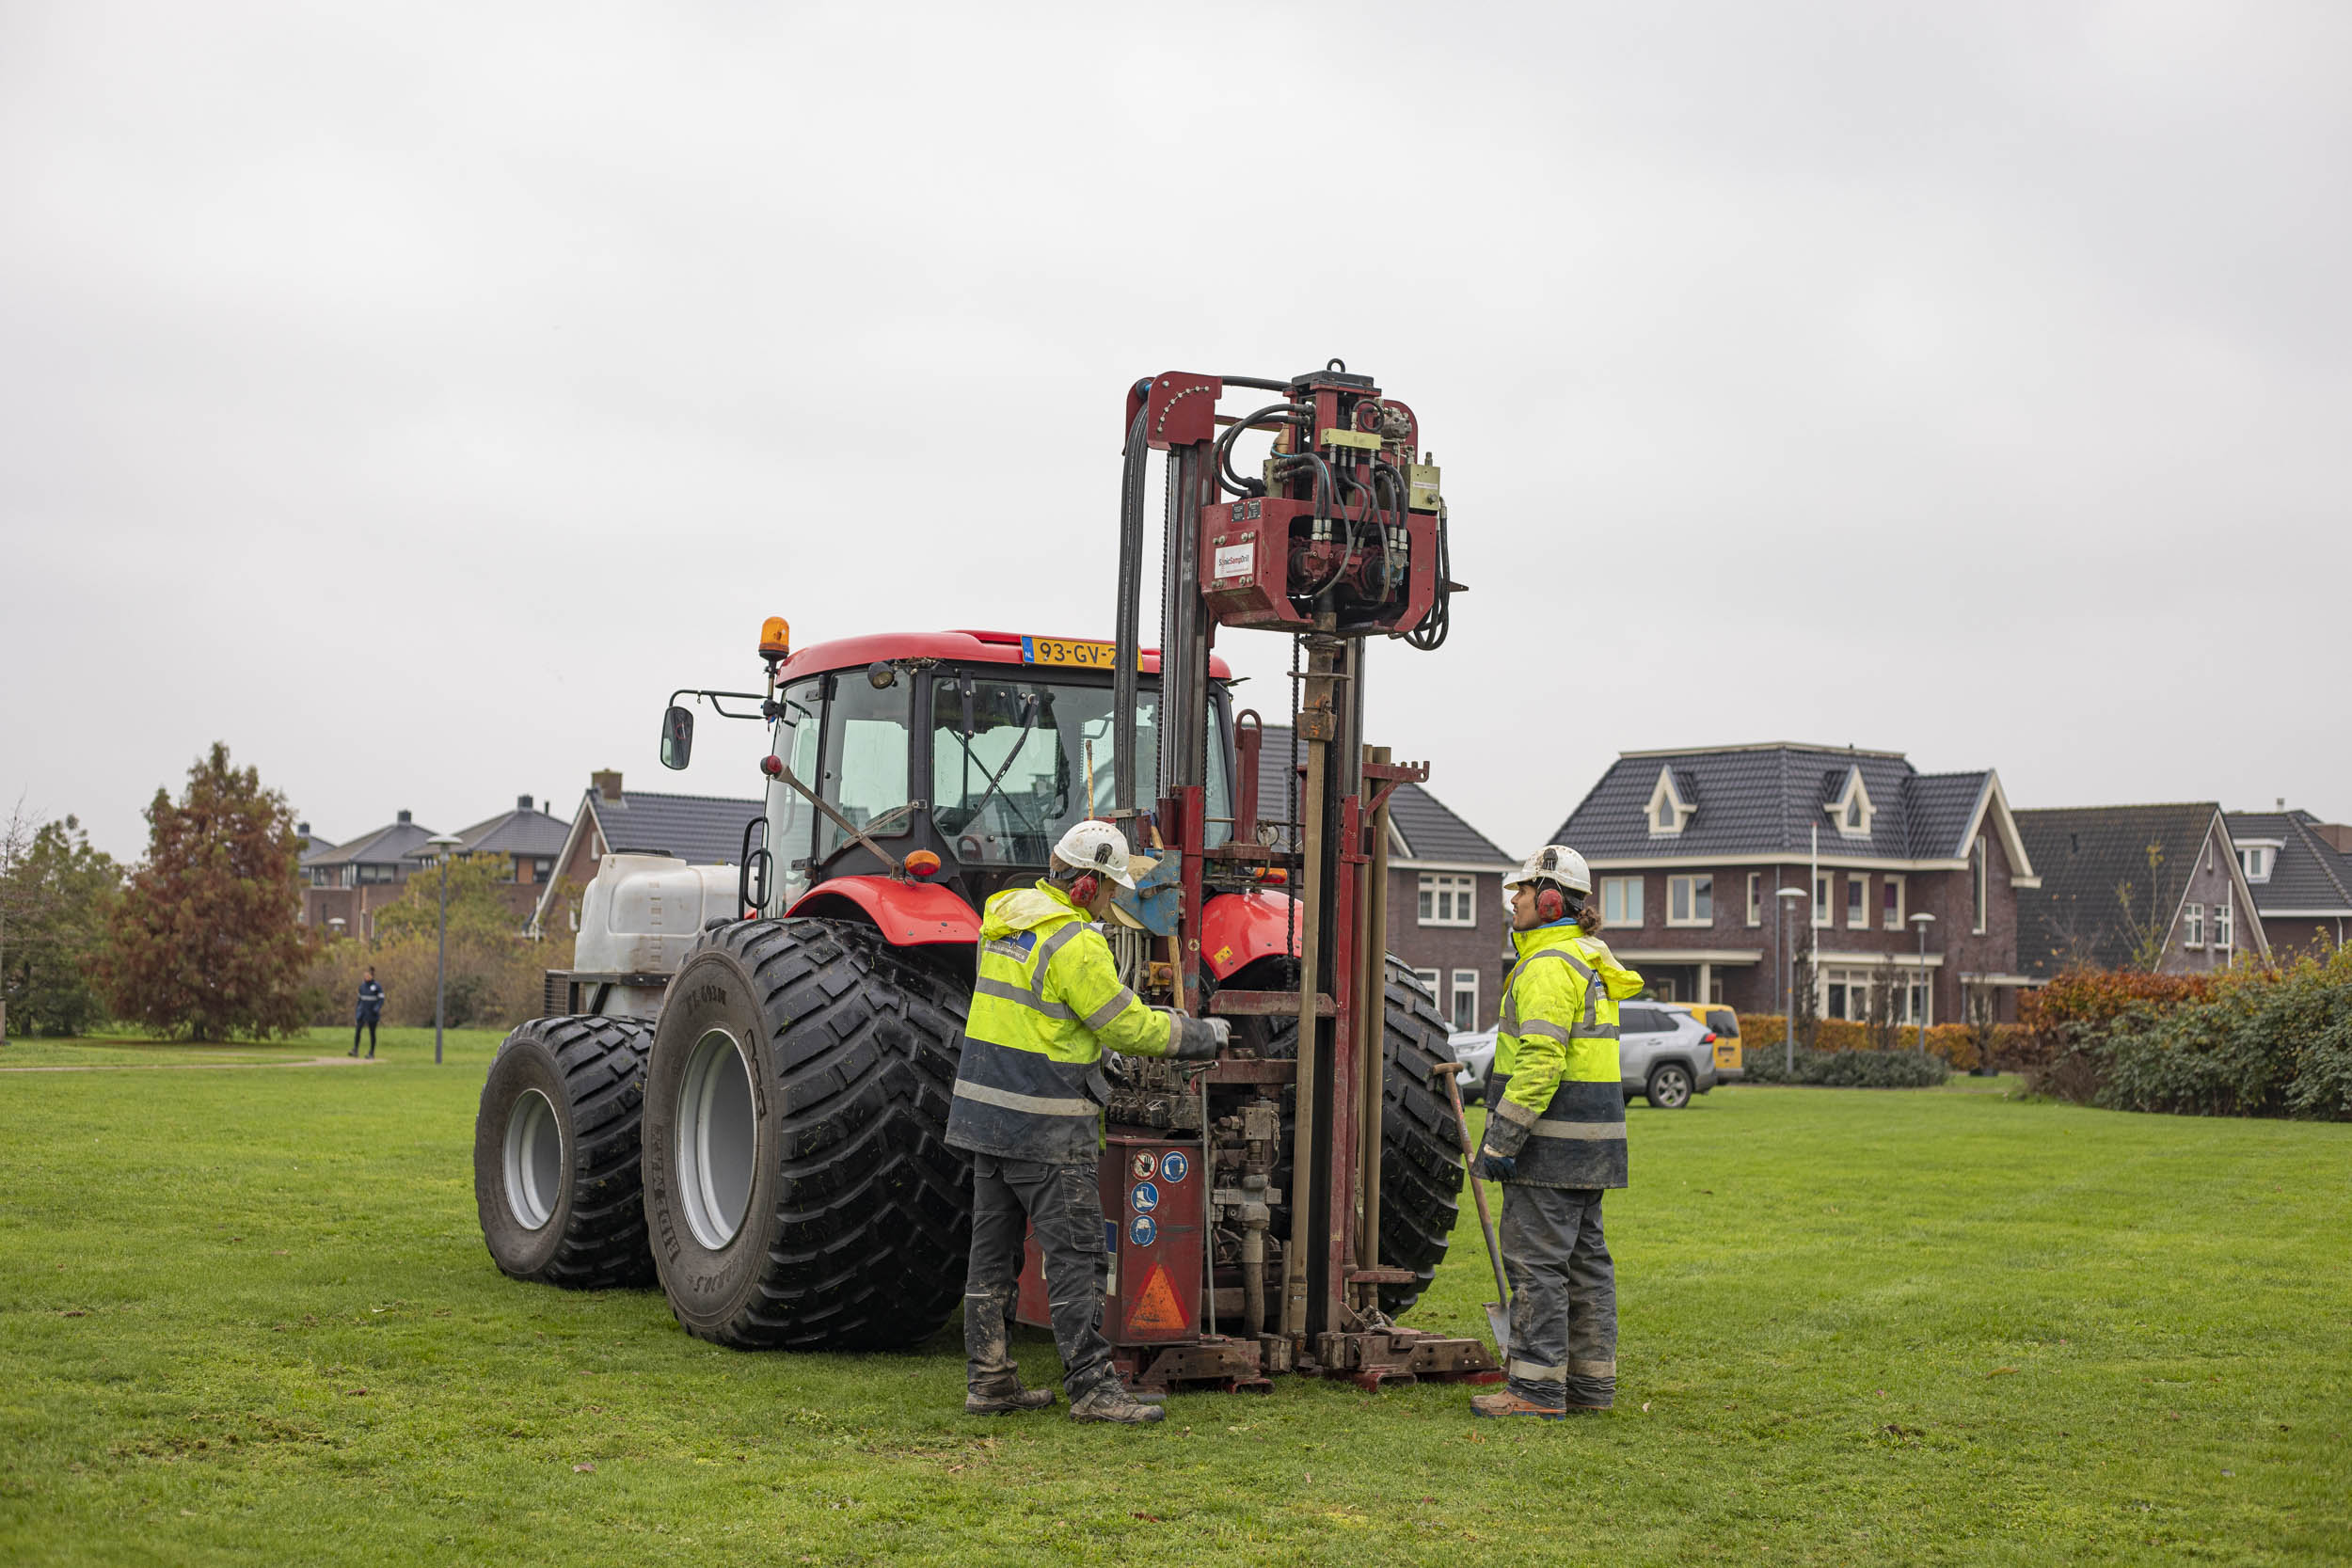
(534, 1159)
(716, 1139)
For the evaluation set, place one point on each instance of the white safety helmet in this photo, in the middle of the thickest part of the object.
(1553, 862)
(1099, 847)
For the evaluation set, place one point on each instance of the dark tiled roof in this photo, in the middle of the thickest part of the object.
(706, 829)
(2086, 855)
(1430, 828)
(2309, 872)
(1765, 800)
(521, 831)
(399, 844)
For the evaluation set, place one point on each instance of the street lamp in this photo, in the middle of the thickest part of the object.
(1788, 897)
(1923, 920)
(444, 845)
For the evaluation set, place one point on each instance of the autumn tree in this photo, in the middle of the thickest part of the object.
(206, 941)
(56, 895)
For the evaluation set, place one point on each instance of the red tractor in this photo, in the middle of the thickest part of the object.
(747, 1094)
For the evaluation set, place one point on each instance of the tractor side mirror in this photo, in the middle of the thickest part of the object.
(677, 736)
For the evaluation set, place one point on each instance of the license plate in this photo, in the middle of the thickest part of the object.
(1083, 655)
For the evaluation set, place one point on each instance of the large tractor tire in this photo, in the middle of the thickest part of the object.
(798, 1185)
(1421, 1151)
(555, 1168)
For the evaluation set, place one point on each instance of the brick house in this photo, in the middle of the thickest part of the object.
(2298, 870)
(351, 881)
(1689, 850)
(1446, 914)
(528, 841)
(2135, 887)
(702, 829)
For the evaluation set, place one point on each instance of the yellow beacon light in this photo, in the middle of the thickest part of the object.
(775, 638)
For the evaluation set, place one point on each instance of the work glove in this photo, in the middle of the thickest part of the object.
(1197, 1040)
(1490, 1166)
(1507, 1127)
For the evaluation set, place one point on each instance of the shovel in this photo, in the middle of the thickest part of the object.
(1498, 1312)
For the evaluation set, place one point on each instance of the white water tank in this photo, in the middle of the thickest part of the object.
(641, 914)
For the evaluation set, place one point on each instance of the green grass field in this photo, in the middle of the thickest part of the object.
(246, 1317)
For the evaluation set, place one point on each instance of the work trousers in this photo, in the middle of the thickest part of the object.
(1563, 1296)
(1064, 1205)
(366, 1022)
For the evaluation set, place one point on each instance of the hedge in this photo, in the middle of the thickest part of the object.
(1955, 1044)
(2248, 1041)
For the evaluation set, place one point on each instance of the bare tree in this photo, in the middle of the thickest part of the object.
(1887, 1008)
(2150, 925)
(16, 893)
(1806, 1005)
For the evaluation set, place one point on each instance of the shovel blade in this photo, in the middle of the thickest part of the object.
(1499, 1321)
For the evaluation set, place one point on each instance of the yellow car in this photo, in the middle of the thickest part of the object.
(1722, 1025)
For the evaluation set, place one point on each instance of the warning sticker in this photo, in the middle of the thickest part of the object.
(1236, 560)
(1156, 1309)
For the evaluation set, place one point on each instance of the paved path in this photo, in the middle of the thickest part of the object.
(188, 1067)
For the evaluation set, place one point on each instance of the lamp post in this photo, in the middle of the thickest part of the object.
(1788, 897)
(444, 845)
(1923, 920)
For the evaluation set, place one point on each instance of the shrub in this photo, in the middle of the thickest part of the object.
(1765, 1033)
(1847, 1069)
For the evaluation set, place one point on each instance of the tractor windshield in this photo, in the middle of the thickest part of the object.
(1015, 762)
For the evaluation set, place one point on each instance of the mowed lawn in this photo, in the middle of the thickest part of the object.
(246, 1316)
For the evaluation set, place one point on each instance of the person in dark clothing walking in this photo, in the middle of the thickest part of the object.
(371, 1010)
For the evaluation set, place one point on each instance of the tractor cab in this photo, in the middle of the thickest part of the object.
(950, 761)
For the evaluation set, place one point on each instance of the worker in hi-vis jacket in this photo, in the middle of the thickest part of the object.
(1555, 1139)
(1029, 1108)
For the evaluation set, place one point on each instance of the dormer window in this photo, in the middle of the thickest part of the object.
(2256, 857)
(1669, 813)
(1851, 811)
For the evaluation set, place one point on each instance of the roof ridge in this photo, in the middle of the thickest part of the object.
(1765, 745)
(2324, 854)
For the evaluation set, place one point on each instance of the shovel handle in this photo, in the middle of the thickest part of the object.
(1478, 1188)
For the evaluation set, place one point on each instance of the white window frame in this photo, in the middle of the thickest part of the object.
(1859, 910)
(1626, 910)
(1433, 978)
(1853, 800)
(1891, 920)
(1465, 984)
(2258, 859)
(1755, 898)
(1980, 875)
(1688, 884)
(1449, 891)
(2193, 924)
(1825, 913)
(1667, 811)
(2225, 924)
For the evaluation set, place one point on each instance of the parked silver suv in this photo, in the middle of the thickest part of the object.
(1665, 1054)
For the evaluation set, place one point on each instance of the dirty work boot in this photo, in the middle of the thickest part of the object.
(1108, 1400)
(1507, 1403)
(1009, 1402)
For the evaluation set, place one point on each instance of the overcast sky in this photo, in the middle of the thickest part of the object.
(412, 395)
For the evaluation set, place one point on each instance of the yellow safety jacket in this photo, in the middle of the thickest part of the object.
(1047, 1000)
(1556, 1090)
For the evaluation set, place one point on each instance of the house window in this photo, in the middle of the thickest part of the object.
(1668, 810)
(1857, 900)
(1979, 877)
(1430, 978)
(1755, 898)
(1891, 903)
(542, 868)
(1465, 1010)
(1690, 900)
(2224, 921)
(1621, 900)
(2193, 926)
(1446, 899)
(1823, 914)
(2255, 860)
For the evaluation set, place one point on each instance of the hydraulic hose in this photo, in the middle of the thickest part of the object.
(1127, 655)
(1232, 482)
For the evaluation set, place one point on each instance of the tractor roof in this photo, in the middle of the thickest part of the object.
(971, 647)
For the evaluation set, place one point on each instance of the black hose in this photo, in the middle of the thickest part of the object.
(1252, 382)
(1232, 482)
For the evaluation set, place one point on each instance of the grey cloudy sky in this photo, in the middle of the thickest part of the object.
(411, 396)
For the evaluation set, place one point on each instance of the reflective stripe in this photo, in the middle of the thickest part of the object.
(1587, 1132)
(1046, 949)
(1020, 996)
(1535, 1373)
(1034, 1104)
(1108, 1010)
(1593, 1368)
(1586, 1031)
(1549, 1031)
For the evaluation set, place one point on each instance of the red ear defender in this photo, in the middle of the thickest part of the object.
(1082, 892)
(1551, 904)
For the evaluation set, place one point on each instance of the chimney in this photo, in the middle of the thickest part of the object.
(607, 782)
(302, 831)
(403, 820)
(522, 803)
